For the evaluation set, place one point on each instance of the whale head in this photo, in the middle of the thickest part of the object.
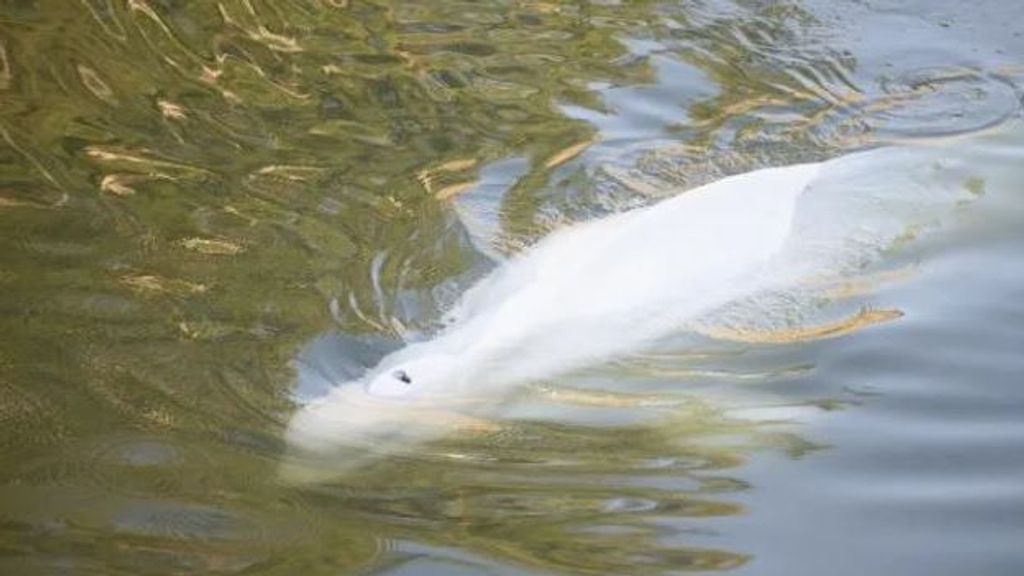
(414, 375)
(407, 400)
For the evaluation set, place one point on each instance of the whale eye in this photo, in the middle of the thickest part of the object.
(401, 375)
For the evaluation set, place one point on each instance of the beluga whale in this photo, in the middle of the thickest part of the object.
(600, 290)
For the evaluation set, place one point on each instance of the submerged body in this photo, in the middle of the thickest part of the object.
(601, 282)
(602, 289)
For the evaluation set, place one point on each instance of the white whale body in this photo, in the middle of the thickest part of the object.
(602, 289)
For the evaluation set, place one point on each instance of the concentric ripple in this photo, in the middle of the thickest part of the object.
(942, 102)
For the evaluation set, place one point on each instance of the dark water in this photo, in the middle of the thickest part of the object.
(210, 211)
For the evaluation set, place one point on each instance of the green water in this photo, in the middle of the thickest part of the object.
(207, 208)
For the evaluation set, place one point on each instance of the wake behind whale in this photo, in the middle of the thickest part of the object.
(604, 289)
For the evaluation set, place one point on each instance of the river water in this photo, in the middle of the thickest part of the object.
(211, 212)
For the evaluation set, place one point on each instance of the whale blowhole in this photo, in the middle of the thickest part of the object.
(420, 371)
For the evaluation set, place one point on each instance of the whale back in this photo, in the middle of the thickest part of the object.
(600, 288)
(683, 249)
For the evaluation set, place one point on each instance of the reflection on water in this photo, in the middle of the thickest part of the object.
(203, 203)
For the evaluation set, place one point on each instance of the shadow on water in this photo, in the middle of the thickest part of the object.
(202, 203)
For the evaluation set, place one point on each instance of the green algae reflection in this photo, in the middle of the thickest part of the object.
(191, 191)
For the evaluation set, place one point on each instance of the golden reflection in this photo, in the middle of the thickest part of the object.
(862, 319)
(429, 178)
(6, 74)
(172, 111)
(603, 399)
(213, 246)
(117, 184)
(449, 192)
(123, 158)
(566, 154)
(147, 283)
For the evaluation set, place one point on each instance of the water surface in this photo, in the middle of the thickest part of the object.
(213, 211)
